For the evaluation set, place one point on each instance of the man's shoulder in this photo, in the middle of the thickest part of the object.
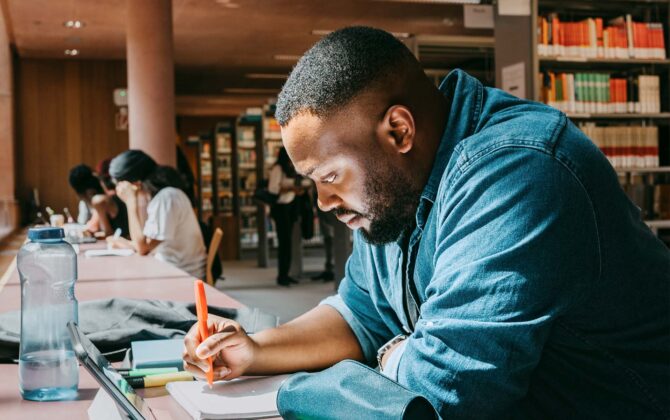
(518, 124)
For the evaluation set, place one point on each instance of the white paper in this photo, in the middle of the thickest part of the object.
(514, 7)
(478, 16)
(514, 79)
(109, 252)
(237, 399)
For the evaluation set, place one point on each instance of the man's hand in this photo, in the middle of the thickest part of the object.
(126, 191)
(231, 349)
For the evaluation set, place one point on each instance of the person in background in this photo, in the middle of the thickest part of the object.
(107, 213)
(102, 169)
(327, 222)
(187, 176)
(282, 182)
(171, 231)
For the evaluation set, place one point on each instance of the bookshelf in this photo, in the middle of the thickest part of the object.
(607, 66)
(205, 184)
(249, 131)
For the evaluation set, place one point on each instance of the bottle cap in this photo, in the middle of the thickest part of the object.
(45, 233)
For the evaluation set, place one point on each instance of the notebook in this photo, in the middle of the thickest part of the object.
(245, 398)
(108, 253)
(157, 353)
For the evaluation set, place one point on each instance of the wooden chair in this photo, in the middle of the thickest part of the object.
(211, 254)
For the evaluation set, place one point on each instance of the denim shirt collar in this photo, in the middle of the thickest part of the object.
(465, 94)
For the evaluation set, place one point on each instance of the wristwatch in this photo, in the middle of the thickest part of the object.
(383, 349)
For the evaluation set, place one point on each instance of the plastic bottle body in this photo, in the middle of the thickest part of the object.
(48, 368)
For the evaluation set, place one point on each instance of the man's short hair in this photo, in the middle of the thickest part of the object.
(82, 179)
(339, 67)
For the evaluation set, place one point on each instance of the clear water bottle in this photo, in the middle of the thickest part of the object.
(48, 368)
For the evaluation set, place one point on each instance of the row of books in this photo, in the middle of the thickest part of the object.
(601, 92)
(626, 146)
(271, 128)
(589, 38)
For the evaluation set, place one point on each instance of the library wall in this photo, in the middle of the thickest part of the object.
(65, 116)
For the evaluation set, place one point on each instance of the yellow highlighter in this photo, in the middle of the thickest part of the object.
(158, 380)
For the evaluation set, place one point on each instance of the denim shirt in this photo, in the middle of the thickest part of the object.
(542, 292)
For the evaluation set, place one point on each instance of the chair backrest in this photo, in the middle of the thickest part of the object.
(211, 254)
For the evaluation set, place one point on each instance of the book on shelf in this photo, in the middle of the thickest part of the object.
(629, 146)
(224, 142)
(246, 135)
(271, 128)
(621, 38)
(603, 93)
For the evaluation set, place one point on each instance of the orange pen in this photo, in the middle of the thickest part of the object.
(201, 311)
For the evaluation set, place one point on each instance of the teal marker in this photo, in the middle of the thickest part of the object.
(147, 371)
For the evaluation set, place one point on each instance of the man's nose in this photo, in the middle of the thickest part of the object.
(326, 200)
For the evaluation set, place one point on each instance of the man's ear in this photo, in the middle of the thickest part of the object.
(398, 129)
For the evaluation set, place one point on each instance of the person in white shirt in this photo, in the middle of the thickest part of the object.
(171, 231)
(282, 182)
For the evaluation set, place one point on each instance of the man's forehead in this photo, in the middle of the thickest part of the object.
(306, 142)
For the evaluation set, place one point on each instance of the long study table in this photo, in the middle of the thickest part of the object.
(114, 268)
(100, 278)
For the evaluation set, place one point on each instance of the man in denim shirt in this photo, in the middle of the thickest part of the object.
(494, 249)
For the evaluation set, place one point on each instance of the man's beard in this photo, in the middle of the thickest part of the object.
(391, 204)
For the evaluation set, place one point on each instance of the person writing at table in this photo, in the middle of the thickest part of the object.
(171, 231)
(498, 268)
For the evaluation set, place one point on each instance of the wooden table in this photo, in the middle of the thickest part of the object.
(134, 267)
(104, 277)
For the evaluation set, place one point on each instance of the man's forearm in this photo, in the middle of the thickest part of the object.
(314, 341)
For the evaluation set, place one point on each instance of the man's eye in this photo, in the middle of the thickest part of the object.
(329, 180)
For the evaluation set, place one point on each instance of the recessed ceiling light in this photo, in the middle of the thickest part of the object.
(324, 32)
(448, 22)
(74, 24)
(228, 3)
(256, 91)
(435, 1)
(286, 57)
(266, 76)
(72, 52)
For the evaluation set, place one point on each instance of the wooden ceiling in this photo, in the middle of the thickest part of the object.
(218, 43)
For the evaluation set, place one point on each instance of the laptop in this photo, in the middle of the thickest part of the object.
(130, 405)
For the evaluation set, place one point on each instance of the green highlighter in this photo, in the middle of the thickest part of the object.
(147, 371)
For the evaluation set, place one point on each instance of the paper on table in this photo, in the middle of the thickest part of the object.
(247, 398)
(109, 252)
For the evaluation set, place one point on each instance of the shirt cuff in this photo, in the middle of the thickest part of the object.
(362, 334)
(393, 362)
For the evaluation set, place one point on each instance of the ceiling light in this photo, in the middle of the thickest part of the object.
(266, 76)
(257, 91)
(74, 24)
(228, 3)
(323, 32)
(72, 52)
(435, 1)
(286, 57)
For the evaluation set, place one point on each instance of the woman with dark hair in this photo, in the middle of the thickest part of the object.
(171, 231)
(282, 182)
(106, 213)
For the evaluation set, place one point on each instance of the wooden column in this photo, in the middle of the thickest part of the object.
(151, 114)
(8, 204)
